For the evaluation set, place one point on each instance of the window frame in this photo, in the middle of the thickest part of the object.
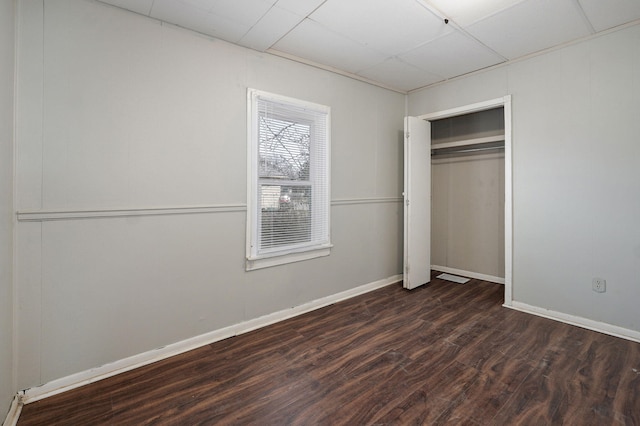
(293, 252)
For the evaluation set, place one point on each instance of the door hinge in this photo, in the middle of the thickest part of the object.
(407, 201)
(406, 135)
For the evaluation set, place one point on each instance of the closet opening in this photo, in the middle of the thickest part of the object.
(468, 194)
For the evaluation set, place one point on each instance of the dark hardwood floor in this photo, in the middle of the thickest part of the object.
(444, 353)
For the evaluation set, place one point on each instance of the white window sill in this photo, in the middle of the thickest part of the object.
(281, 259)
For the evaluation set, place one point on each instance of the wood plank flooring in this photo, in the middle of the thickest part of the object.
(445, 353)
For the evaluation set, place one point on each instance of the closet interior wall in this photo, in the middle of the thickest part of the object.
(467, 206)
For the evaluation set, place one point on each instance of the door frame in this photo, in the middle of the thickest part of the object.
(504, 102)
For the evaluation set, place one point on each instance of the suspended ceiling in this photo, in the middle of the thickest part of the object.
(399, 44)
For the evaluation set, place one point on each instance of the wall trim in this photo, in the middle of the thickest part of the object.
(469, 274)
(601, 327)
(334, 70)
(52, 215)
(377, 200)
(86, 377)
(14, 411)
(465, 109)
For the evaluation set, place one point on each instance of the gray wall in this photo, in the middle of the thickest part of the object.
(576, 172)
(467, 213)
(117, 111)
(7, 39)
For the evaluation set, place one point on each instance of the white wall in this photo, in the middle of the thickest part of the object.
(117, 111)
(576, 172)
(7, 51)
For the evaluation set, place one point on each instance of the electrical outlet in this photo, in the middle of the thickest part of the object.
(599, 285)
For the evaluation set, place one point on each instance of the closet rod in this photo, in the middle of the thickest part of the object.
(441, 151)
(468, 142)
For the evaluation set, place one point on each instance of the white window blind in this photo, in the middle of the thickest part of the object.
(289, 174)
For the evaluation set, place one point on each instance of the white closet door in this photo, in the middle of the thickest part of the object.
(417, 202)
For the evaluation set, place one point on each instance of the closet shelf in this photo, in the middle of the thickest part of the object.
(467, 142)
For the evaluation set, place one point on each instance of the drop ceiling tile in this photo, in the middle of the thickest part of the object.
(245, 12)
(205, 5)
(390, 27)
(312, 41)
(139, 6)
(399, 75)
(273, 26)
(530, 26)
(466, 12)
(611, 13)
(299, 7)
(452, 55)
(195, 18)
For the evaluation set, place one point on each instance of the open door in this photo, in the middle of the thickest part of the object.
(417, 202)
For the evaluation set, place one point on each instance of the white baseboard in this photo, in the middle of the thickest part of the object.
(601, 327)
(108, 370)
(14, 411)
(469, 274)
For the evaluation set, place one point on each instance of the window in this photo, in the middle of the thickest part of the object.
(288, 182)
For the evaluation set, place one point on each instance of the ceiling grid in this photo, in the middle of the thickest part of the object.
(399, 44)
